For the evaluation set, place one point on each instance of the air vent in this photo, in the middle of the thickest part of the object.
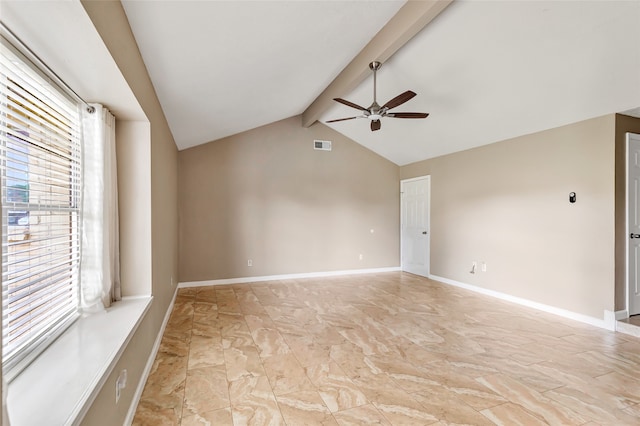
(322, 145)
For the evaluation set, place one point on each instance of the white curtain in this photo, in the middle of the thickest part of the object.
(100, 258)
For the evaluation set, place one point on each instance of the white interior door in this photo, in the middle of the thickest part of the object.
(633, 223)
(415, 225)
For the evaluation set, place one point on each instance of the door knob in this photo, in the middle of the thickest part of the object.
(634, 235)
(425, 233)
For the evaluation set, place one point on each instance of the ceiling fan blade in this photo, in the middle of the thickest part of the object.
(375, 125)
(407, 114)
(341, 119)
(399, 100)
(351, 104)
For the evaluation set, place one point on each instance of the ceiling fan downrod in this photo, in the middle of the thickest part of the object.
(374, 66)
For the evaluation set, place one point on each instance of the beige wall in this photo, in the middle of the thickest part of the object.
(133, 151)
(157, 186)
(268, 196)
(624, 124)
(507, 204)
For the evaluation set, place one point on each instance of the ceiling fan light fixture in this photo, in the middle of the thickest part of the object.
(375, 113)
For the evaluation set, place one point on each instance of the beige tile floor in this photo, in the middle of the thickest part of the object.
(384, 349)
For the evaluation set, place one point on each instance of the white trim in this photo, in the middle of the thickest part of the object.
(147, 300)
(610, 320)
(630, 329)
(627, 284)
(414, 178)
(525, 302)
(286, 277)
(626, 223)
(147, 369)
(620, 315)
(84, 356)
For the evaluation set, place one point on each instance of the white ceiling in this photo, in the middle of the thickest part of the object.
(223, 67)
(485, 71)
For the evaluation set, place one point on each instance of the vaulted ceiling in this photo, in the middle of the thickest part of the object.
(485, 71)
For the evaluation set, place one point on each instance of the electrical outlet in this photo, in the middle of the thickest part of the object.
(361, 257)
(121, 383)
(249, 262)
(483, 266)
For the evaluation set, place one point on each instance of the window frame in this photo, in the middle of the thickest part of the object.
(22, 355)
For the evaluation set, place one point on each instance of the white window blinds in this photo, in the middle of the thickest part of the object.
(40, 173)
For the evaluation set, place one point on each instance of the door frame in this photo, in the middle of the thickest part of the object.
(627, 282)
(402, 181)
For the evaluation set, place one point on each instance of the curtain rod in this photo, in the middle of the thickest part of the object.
(14, 39)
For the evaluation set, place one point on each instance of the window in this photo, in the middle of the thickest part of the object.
(40, 176)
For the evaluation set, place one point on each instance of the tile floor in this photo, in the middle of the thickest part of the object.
(389, 349)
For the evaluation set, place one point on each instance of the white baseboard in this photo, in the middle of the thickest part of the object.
(630, 329)
(286, 277)
(147, 369)
(610, 320)
(623, 327)
(531, 304)
(620, 315)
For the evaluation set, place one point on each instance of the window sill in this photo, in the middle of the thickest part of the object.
(60, 385)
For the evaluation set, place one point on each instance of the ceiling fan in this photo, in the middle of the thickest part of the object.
(375, 112)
